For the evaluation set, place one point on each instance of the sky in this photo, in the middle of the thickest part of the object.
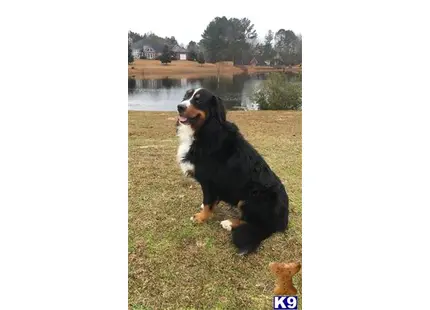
(187, 22)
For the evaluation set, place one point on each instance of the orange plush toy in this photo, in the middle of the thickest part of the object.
(284, 277)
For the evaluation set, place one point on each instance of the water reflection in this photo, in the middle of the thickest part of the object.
(165, 94)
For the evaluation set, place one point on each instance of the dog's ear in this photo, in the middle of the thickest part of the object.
(218, 109)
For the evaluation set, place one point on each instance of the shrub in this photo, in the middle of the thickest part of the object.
(279, 94)
(192, 55)
(165, 58)
(201, 58)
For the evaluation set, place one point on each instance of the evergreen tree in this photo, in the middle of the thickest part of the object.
(228, 39)
(201, 58)
(165, 58)
(193, 50)
(192, 56)
(130, 55)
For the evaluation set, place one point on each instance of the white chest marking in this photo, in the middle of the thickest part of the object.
(186, 138)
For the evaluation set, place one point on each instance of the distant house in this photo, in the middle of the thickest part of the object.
(149, 52)
(253, 62)
(179, 53)
(250, 60)
(257, 61)
(143, 46)
(136, 49)
(277, 60)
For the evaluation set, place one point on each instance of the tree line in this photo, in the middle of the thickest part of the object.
(233, 39)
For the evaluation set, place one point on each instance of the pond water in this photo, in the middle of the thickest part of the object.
(165, 94)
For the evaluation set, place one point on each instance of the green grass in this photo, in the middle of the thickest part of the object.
(176, 264)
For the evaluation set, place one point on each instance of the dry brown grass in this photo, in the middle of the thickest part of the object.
(256, 69)
(145, 68)
(175, 264)
(153, 69)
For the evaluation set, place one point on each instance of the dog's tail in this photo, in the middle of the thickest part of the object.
(247, 237)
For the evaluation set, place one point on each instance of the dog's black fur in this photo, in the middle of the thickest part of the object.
(228, 168)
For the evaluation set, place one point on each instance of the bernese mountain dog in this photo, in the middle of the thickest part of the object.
(213, 151)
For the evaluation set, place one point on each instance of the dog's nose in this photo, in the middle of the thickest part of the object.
(181, 108)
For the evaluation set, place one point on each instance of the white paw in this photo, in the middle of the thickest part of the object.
(202, 206)
(226, 224)
(192, 219)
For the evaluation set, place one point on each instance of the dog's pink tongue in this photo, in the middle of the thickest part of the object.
(182, 119)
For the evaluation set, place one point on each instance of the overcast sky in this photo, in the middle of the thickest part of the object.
(188, 21)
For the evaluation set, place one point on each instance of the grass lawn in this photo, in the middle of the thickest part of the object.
(176, 264)
(145, 68)
(177, 68)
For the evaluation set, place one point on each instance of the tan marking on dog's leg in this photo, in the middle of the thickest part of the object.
(204, 214)
(231, 224)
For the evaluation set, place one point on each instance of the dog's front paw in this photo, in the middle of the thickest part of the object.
(200, 217)
(203, 215)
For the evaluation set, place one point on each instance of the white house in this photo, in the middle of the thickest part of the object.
(140, 47)
(149, 52)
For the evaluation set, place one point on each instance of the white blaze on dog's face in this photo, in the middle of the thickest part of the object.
(189, 95)
(197, 106)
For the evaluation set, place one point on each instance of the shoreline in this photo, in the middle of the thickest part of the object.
(153, 69)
